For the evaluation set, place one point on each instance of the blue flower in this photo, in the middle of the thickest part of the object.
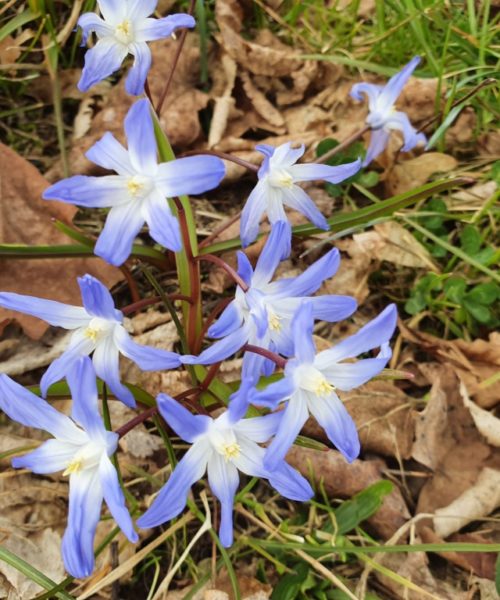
(81, 448)
(125, 28)
(138, 193)
(262, 315)
(277, 187)
(383, 117)
(97, 328)
(221, 446)
(311, 379)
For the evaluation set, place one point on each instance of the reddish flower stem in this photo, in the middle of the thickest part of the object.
(226, 156)
(343, 145)
(182, 39)
(221, 305)
(276, 358)
(218, 230)
(136, 306)
(216, 260)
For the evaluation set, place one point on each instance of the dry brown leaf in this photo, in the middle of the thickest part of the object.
(259, 101)
(487, 424)
(26, 219)
(390, 241)
(223, 103)
(474, 362)
(383, 416)
(343, 480)
(415, 172)
(264, 56)
(478, 501)
(11, 48)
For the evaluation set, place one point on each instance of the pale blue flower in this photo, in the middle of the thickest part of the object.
(81, 448)
(125, 28)
(383, 117)
(262, 315)
(138, 193)
(277, 187)
(221, 446)
(311, 381)
(97, 329)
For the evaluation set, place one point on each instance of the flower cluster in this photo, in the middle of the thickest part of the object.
(270, 319)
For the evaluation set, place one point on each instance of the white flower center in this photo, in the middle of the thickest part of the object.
(280, 178)
(124, 32)
(87, 457)
(98, 329)
(273, 320)
(223, 439)
(377, 118)
(139, 186)
(312, 380)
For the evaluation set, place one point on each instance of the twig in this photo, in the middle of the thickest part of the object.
(343, 145)
(276, 358)
(223, 265)
(226, 156)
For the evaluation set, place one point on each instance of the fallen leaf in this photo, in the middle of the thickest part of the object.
(26, 219)
(259, 101)
(487, 424)
(223, 103)
(413, 173)
(343, 480)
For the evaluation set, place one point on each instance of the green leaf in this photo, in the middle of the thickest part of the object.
(454, 289)
(289, 586)
(450, 118)
(361, 506)
(415, 304)
(484, 293)
(470, 240)
(495, 171)
(481, 313)
(369, 179)
(33, 574)
(16, 22)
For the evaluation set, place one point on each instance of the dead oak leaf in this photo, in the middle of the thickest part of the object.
(26, 219)
(413, 173)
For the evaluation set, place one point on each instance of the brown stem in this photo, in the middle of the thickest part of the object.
(147, 91)
(218, 230)
(226, 156)
(182, 39)
(134, 290)
(343, 145)
(140, 418)
(221, 305)
(276, 358)
(223, 265)
(136, 306)
(212, 372)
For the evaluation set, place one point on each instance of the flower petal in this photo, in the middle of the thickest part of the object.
(141, 137)
(295, 197)
(347, 376)
(311, 279)
(115, 499)
(220, 349)
(260, 429)
(137, 75)
(378, 142)
(31, 411)
(412, 137)
(94, 192)
(173, 496)
(336, 174)
(223, 479)
(332, 308)
(139, 10)
(396, 83)
(251, 458)
(285, 156)
(163, 225)
(274, 393)
(97, 300)
(190, 175)
(253, 210)
(245, 269)
(302, 331)
(275, 250)
(229, 320)
(109, 154)
(113, 11)
(101, 61)
(90, 22)
(294, 417)
(157, 29)
(290, 483)
(84, 410)
(106, 364)
(375, 333)
(371, 90)
(85, 500)
(341, 430)
(240, 400)
(186, 426)
(146, 358)
(54, 313)
(122, 225)
(52, 456)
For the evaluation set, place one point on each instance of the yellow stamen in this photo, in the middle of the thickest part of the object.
(134, 186)
(285, 180)
(231, 451)
(274, 322)
(323, 388)
(92, 333)
(74, 466)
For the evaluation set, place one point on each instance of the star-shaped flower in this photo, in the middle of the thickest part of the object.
(125, 28)
(277, 188)
(81, 448)
(97, 329)
(383, 117)
(138, 193)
